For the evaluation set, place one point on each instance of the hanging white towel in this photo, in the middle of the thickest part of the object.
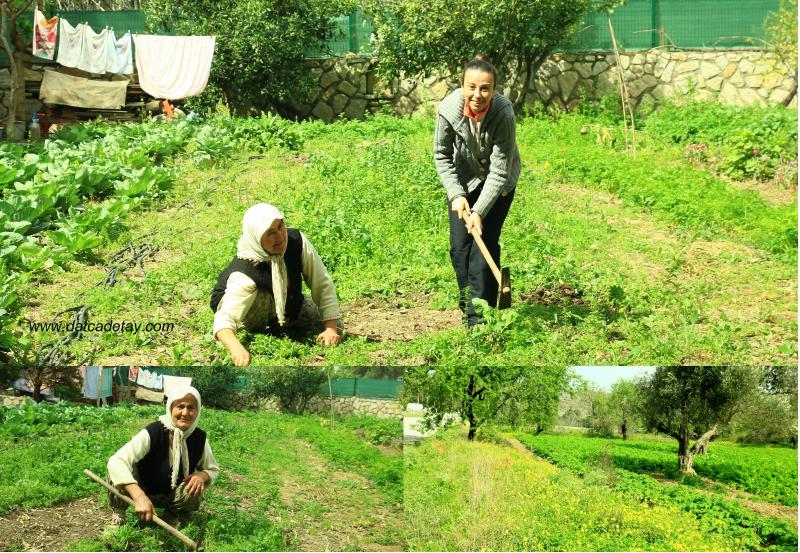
(70, 43)
(119, 54)
(44, 35)
(94, 54)
(173, 67)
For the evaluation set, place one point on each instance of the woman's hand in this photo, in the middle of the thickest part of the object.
(144, 508)
(196, 483)
(475, 221)
(239, 355)
(329, 336)
(460, 205)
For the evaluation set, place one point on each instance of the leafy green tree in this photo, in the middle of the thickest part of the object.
(425, 37)
(215, 384)
(780, 30)
(695, 403)
(481, 394)
(601, 417)
(293, 386)
(770, 415)
(260, 46)
(624, 406)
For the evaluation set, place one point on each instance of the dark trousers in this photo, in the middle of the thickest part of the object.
(474, 276)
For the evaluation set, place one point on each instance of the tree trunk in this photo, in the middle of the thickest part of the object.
(21, 59)
(624, 431)
(685, 456)
(469, 411)
(11, 98)
(701, 446)
(791, 95)
(532, 64)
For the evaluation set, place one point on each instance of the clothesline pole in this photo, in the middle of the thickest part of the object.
(99, 379)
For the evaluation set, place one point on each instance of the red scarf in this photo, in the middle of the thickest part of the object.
(475, 116)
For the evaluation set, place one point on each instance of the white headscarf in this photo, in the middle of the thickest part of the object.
(256, 221)
(180, 450)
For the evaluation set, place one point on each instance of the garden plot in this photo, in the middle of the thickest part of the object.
(615, 260)
(287, 483)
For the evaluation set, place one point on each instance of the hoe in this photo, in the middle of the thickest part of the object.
(195, 545)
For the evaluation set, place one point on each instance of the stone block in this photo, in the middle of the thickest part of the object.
(328, 78)
(730, 94)
(583, 69)
(338, 103)
(754, 81)
(625, 61)
(750, 97)
(566, 83)
(637, 87)
(715, 83)
(638, 59)
(778, 96)
(599, 67)
(746, 67)
(323, 111)
(347, 88)
(772, 81)
(736, 79)
(5, 78)
(729, 70)
(669, 70)
(709, 69)
(689, 66)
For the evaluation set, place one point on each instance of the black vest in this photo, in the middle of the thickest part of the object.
(261, 274)
(154, 472)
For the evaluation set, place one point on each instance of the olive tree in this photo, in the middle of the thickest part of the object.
(695, 404)
(482, 394)
(426, 37)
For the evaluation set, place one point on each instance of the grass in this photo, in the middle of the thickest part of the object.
(769, 473)
(626, 468)
(615, 260)
(277, 490)
(474, 496)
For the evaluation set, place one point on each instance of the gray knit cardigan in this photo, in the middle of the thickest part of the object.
(463, 165)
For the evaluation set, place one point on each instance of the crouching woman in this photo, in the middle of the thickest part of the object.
(169, 464)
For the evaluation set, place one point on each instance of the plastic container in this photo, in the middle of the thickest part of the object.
(34, 130)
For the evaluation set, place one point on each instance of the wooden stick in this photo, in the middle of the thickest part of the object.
(486, 254)
(174, 531)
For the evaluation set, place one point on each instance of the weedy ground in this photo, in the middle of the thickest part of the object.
(497, 495)
(287, 483)
(657, 258)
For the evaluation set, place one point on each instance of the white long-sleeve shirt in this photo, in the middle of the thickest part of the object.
(241, 292)
(122, 465)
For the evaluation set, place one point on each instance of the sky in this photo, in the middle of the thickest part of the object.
(604, 377)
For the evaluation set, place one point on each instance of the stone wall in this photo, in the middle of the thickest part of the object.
(344, 406)
(347, 86)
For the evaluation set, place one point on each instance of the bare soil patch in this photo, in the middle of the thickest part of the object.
(745, 499)
(52, 528)
(563, 295)
(385, 321)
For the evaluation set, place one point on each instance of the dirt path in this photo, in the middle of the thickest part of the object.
(384, 321)
(745, 499)
(52, 528)
(333, 510)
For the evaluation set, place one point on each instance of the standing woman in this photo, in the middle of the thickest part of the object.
(476, 156)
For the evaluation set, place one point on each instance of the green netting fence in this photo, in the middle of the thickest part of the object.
(362, 387)
(638, 25)
(676, 24)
